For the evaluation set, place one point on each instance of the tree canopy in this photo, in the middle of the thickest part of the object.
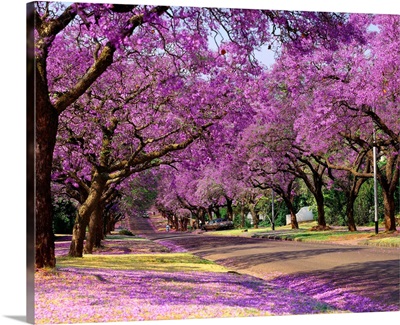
(124, 89)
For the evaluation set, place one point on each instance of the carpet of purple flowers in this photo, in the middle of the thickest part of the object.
(78, 295)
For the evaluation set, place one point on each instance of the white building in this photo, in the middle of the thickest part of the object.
(304, 214)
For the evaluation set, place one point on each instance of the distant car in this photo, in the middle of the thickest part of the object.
(218, 224)
(145, 215)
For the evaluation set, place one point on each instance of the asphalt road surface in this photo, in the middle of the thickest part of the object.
(371, 271)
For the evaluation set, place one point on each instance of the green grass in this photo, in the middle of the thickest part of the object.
(384, 242)
(306, 235)
(170, 262)
(124, 237)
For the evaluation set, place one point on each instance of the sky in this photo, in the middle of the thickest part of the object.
(13, 161)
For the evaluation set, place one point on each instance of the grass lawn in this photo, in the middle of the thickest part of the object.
(337, 235)
(167, 262)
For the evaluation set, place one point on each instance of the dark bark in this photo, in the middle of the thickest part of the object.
(210, 213)
(314, 184)
(351, 225)
(183, 223)
(78, 235)
(47, 123)
(46, 130)
(175, 222)
(351, 198)
(254, 215)
(389, 182)
(389, 209)
(319, 198)
(229, 208)
(110, 224)
(242, 216)
(30, 167)
(293, 220)
(358, 173)
(201, 215)
(388, 177)
(95, 231)
(84, 213)
(217, 213)
(100, 235)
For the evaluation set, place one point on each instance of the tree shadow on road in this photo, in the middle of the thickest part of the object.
(358, 287)
(257, 252)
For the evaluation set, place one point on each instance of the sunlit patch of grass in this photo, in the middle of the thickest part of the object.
(327, 236)
(125, 237)
(384, 242)
(155, 262)
(235, 232)
(304, 234)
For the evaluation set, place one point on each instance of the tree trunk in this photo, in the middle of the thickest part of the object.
(314, 182)
(293, 219)
(389, 182)
(100, 233)
(229, 208)
(184, 223)
(350, 212)
(201, 214)
(254, 215)
(110, 226)
(46, 130)
(217, 213)
(84, 213)
(389, 209)
(175, 223)
(78, 235)
(95, 231)
(242, 216)
(319, 197)
(210, 213)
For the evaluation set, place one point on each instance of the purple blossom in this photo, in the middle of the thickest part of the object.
(345, 297)
(71, 295)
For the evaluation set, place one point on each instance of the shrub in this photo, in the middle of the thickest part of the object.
(126, 232)
(64, 212)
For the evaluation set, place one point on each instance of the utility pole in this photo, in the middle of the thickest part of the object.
(374, 151)
(273, 212)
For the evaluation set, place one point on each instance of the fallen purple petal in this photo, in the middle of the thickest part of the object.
(71, 295)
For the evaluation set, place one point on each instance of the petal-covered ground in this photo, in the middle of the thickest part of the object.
(339, 288)
(116, 244)
(127, 292)
(132, 278)
(71, 295)
(337, 292)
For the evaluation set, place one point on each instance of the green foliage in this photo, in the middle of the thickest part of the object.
(64, 212)
(364, 206)
(126, 232)
(280, 212)
(237, 222)
(304, 199)
(143, 193)
(224, 212)
(264, 223)
(335, 207)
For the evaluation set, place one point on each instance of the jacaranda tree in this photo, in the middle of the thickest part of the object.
(76, 43)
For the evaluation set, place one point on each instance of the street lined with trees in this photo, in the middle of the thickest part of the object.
(170, 104)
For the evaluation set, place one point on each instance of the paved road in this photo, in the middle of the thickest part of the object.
(372, 272)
